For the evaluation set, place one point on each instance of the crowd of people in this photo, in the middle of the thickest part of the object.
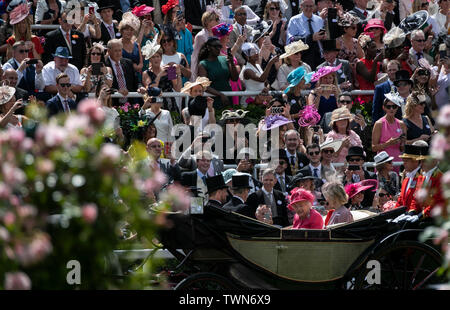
(303, 59)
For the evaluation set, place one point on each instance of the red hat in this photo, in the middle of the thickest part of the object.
(375, 23)
(355, 188)
(169, 5)
(142, 10)
(299, 194)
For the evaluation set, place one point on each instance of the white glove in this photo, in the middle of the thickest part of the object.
(400, 218)
(413, 218)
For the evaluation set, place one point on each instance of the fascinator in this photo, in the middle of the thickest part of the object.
(394, 97)
(19, 13)
(150, 48)
(222, 30)
(169, 5)
(348, 20)
(129, 19)
(260, 30)
(296, 76)
(364, 39)
(250, 49)
(274, 121)
(6, 93)
(238, 114)
(309, 116)
(324, 71)
(142, 10)
(394, 38)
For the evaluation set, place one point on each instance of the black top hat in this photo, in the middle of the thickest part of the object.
(413, 152)
(355, 151)
(402, 75)
(215, 183)
(102, 4)
(240, 181)
(329, 45)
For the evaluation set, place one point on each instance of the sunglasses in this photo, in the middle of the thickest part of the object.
(328, 151)
(324, 203)
(401, 84)
(96, 54)
(391, 106)
(241, 14)
(351, 160)
(24, 51)
(314, 153)
(424, 4)
(274, 9)
(165, 41)
(381, 195)
(65, 84)
(423, 73)
(420, 40)
(346, 101)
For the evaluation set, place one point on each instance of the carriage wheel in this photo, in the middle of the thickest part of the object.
(405, 265)
(205, 281)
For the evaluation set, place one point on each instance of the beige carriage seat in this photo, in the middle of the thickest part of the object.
(357, 215)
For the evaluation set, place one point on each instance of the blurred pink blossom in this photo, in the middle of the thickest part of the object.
(444, 116)
(110, 152)
(26, 211)
(89, 212)
(181, 200)
(136, 106)
(16, 135)
(12, 175)
(27, 144)
(421, 194)
(4, 234)
(76, 122)
(9, 218)
(5, 191)
(45, 166)
(17, 281)
(438, 146)
(14, 200)
(52, 135)
(91, 108)
(125, 109)
(446, 178)
(40, 247)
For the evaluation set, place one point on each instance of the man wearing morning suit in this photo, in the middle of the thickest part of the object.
(296, 160)
(61, 102)
(197, 178)
(240, 188)
(273, 199)
(217, 191)
(167, 166)
(66, 37)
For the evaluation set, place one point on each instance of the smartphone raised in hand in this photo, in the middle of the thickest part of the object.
(91, 10)
(97, 68)
(32, 61)
(172, 73)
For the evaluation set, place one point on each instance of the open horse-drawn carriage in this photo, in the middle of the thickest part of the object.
(225, 250)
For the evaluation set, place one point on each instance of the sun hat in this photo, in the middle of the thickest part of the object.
(228, 114)
(412, 152)
(375, 23)
(347, 20)
(6, 93)
(394, 97)
(324, 71)
(294, 48)
(260, 29)
(169, 5)
(382, 158)
(19, 13)
(150, 48)
(228, 174)
(355, 188)
(299, 194)
(340, 114)
(394, 38)
(201, 80)
(274, 121)
(329, 143)
(296, 76)
(222, 30)
(142, 10)
(62, 52)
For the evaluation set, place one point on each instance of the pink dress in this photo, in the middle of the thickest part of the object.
(314, 221)
(355, 140)
(391, 131)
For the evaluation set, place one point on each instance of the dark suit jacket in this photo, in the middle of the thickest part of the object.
(194, 12)
(189, 179)
(105, 36)
(173, 173)
(129, 74)
(378, 98)
(213, 203)
(21, 94)
(55, 38)
(344, 74)
(257, 198)
(287, 180)
(236, 205)
(302, 161)
(54, 106)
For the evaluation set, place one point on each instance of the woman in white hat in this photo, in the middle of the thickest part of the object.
(292, 60)
(8, 106)
(340, 122)
(386, 177)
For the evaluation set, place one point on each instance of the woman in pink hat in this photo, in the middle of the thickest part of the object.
(301, 201)
(375, 28)
(355, 192)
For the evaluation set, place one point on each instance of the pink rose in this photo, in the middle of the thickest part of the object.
(45, 166)
(27, 144)
(17, 281)
(4, 234)
(136, 106)
(16, 135)
(92, 108)
(40, 247)
(125, 109)
(444, 116)
(26, 211)
(110, 152)
(9, 218)
(89, 212)
(76, 122)
(438, 146)
(13, 175)
(446, 178)
(5, 191)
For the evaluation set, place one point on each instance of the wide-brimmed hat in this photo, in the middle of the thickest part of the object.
(19, 13)
(250, 49)
(201, 80)
(394, 97)
(294, 48)
(169, 5)
(382, 158)
(296, 76)
(240, 180)
(347, 20)
(331, 144)
(329, 45)
(228, 114)
(142, 10)
(222, 30)
(274, 121)
(412, 152)
(324, 71)
(215, 183)
(299, 194)
(355, 151)
(104, 4)
(228, 174)
(6, 93)
(130, 20)
(62, 52)
(417, 20)
(301, 177)
(355, 188)
(340, 114)
(402, 75)
(375, 23)
(150, 48)
(260, 29)
(394, 38)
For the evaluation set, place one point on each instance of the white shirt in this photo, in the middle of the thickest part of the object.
(411, 176)
(50, 72)
(38, 79)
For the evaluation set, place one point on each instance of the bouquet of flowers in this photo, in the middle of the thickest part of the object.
(132, 123)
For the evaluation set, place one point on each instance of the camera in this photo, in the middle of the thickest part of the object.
(279, 51)
(153, 91)
(353, 167)
(157, 100)
(32, 61)
(358, 111)
(316, 128)
(97, 68)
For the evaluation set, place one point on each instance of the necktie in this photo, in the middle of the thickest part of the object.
(283, 185)
(311, 31)
(120, 78)
(316, 174)
(211, 169)
(419, 56)
(293, 160)
(204, 179)
(66, 106)
(68, 40)
(111, 31)
(365, 13)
